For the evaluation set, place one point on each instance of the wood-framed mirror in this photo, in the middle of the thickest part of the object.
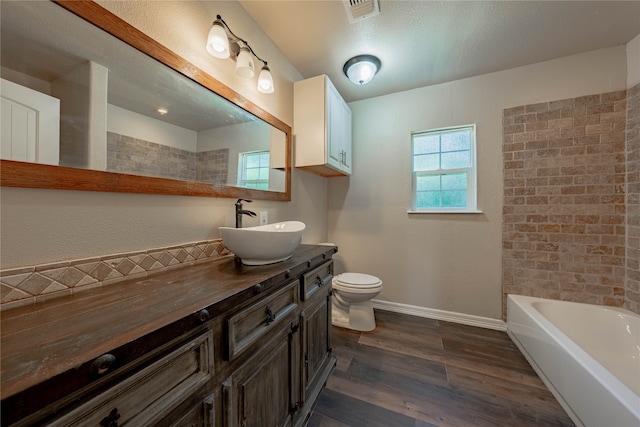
(124, 103)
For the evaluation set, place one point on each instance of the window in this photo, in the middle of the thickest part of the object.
(444, 170)
(253, 170)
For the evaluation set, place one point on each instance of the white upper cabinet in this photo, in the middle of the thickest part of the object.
(321, 128)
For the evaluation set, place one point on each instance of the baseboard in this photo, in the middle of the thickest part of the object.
(448, 316)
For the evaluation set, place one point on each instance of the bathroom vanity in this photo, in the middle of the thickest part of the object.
(213, 344)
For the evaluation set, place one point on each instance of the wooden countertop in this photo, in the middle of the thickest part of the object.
(41, 341)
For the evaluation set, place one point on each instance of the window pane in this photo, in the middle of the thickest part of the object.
(428, 183)
(455, 141)
(454, 199)
(426, 162)
(455, 160)
(425, 144)
(427, 199)
(252, 161)
(454, 181)
(253, 174)
(264, 173)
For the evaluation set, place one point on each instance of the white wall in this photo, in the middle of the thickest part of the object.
(126, 122)
(444, 261)
(183, 27)
(40, 226)
(633, 62)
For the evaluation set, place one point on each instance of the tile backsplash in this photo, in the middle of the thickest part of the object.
(28, 285)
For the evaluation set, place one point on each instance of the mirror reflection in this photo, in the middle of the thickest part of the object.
(73, 95)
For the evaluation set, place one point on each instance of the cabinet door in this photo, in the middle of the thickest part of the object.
(335, 127)
(315, 321)
(263, 392)
(346, 137)
(200, 414)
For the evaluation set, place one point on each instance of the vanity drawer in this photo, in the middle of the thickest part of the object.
(147, 396)
(316, 279)
(251, 323)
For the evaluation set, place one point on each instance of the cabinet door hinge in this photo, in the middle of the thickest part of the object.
(306, 360)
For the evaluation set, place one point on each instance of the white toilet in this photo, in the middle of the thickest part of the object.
(351, 301)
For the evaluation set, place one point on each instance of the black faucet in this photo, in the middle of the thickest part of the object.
(240, 212)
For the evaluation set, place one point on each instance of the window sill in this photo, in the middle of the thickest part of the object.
(446, 211)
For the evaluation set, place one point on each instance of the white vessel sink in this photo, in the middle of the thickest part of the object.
(265, 244)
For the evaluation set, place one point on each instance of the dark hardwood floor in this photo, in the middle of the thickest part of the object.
(418, 372)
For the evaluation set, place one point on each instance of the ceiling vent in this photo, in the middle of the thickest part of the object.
(359, 10)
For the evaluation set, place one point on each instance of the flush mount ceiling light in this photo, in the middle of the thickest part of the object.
(222, 43)
(361, 69)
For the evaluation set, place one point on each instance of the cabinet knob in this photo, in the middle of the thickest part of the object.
(203, 315)
(102, 364)
(287, 274)
(111, 420)
(270, 316)
(257, 288)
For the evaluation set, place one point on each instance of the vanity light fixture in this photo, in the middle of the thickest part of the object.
(222, 43)
(361, 69)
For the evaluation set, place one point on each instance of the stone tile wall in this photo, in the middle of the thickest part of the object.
(28, 285)
(564, 199)
(632, 301)
(213, 166)
(136, 156)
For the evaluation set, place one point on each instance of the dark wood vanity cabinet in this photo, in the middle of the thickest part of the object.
(263, 389)
(315, 326)
(293, 364)
(258, 356)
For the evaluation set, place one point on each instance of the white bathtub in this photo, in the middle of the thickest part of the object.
(588, 356)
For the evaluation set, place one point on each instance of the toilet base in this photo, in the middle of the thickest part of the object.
(358, 316)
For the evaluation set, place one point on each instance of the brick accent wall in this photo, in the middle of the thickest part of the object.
(632, 301)
(564, 199)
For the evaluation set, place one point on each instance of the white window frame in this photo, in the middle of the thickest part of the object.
(242, 169)
(471, 171)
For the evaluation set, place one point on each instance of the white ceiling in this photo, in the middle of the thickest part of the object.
(424, 42)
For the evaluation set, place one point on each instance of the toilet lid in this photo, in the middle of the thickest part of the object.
(358, 280)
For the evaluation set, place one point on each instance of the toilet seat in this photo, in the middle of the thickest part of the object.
(356, 281)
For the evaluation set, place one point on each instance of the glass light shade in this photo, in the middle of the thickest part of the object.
(361, 69)
(265, 81)
(244, 64)
(217, 41)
